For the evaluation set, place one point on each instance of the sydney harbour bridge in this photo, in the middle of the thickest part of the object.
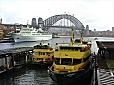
(63, 18)
(51, 22)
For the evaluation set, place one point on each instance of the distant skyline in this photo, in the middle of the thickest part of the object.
(98, 14)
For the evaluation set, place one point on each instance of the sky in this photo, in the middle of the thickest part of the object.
(98, 14)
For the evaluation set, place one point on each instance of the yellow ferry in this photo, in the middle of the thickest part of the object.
(43, 54)
(72, 63)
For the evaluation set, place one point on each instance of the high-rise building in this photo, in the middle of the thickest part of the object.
(112, 29)
(94, 30)
(87, 29)
(40, 23)
(1, 21)
(34, 23)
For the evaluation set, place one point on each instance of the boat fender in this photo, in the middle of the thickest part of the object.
(14, 63)
(7, 66)
(48, 71)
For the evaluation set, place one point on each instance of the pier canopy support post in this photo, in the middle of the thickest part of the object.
(103, 54)
(30, 55)
(6, 63)
(111, 55)
(13, 62)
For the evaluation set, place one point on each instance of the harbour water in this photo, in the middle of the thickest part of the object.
(36, 75)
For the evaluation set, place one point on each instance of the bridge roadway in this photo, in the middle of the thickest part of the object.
(13, 25)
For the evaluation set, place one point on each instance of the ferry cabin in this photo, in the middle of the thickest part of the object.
(42, 53)
(71, 58)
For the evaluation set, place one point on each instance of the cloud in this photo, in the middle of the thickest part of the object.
(98, 14)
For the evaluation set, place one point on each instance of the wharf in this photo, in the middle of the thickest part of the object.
(14, 57)
(106, 49)
(104, 72)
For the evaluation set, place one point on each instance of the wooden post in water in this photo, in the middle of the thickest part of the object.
(26, 59)
(13, 62)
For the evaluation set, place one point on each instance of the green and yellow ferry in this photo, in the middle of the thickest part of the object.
(43, 54)
(72, 63)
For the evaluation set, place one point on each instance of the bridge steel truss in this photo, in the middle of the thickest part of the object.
(51, 20)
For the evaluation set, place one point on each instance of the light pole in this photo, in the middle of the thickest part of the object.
(64, 18)
(67, 19)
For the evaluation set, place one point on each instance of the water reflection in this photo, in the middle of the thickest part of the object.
(29, 75)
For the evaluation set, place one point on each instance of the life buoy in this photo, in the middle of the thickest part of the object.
(87, 48)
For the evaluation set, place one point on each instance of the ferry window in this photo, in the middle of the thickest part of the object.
(76, 49)
(37, 47)
(35, 53)
(47, 53)
(76, 61)
(85, 59)
(38, 53)
(70, 48)
(51, 52)
(66, 61)
(57, 61)
(78, 40)
(42, 53)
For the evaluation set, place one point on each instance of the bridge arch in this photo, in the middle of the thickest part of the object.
(53, 19)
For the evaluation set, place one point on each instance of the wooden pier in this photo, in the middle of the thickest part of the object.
(106, 49)
(104, 72)
(14, 57)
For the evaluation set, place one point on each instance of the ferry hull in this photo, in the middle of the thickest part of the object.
(19, 38)
(74, 78)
